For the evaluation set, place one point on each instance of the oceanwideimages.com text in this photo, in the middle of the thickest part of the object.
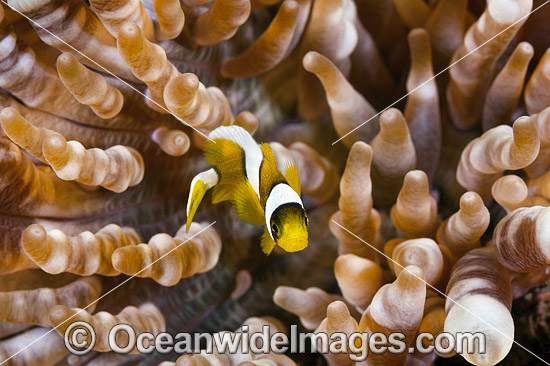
(80, 338)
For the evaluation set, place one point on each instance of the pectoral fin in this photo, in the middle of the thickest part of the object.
(247, 203)
(195, 198)
(267, 243)
(200, 184)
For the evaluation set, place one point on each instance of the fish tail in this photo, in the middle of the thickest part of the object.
(200, 184)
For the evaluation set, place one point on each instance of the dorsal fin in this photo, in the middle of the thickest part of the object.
(236, 134)
(270, 175)
(228, 158)
(239, 156)
(291, 175)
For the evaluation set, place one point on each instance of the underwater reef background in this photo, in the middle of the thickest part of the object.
(104, 110)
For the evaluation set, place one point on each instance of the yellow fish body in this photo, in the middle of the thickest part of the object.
(246, 173)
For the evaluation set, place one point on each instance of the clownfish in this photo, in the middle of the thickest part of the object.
(246, 173)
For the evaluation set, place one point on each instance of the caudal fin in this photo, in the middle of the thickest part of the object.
(200, 184)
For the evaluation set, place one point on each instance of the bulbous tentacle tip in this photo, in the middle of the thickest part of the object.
(418, 33)
(184, 84)
(33, 234)
(66, 61)
(525, 130)
(471, 202)
(525, 50)
(358, 278)
(248, 121)
(8, 114)
(391, 116)
(172, 142)
(129, 31)
(509, 11)
(171, 19)
(393, 126)
(360, 148)
(312, 61)
(415, 181)
(290, 6)
(337, 309)
(279, 294)
(410, 277)
(509, 185)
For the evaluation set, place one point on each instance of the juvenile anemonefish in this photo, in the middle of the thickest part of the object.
(246, 173)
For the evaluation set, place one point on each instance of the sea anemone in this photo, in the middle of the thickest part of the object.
(420, 130)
